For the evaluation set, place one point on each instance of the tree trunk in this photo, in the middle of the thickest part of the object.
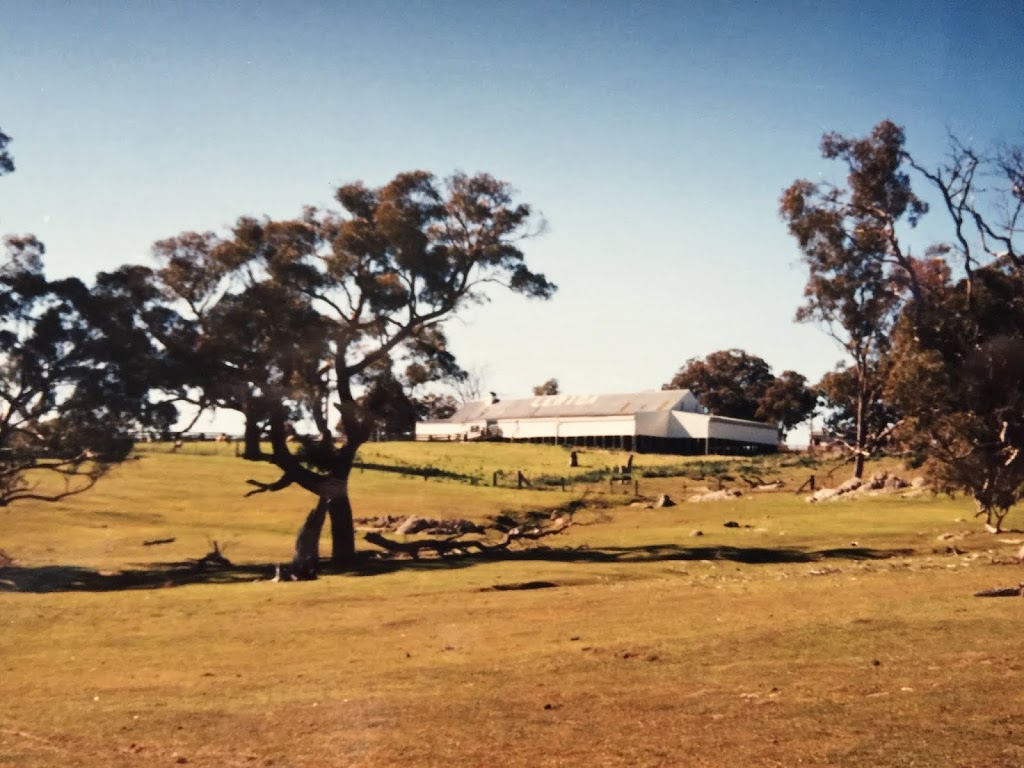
(343, 536)
(306, 562)
(343, 533)
(861, 441)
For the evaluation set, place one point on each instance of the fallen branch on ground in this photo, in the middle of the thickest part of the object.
(213, 559)
(456, 545)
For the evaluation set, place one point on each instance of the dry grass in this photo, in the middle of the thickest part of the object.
(782, 643)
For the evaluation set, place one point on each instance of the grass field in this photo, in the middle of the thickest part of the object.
(844, 633)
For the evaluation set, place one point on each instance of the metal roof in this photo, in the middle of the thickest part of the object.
(560, 406)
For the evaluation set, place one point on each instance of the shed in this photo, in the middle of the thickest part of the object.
(665, 421)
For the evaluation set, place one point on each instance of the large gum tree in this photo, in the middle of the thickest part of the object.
(849, 241)
(313, 328)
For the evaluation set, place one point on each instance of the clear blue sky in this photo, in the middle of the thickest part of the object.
(655, 139)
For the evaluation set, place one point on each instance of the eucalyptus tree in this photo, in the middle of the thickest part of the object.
(858, 268)
(76, 373)
(314, 328)
(958, 363)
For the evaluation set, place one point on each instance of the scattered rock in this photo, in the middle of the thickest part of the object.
(722, 495)
(696, 533)
(412, 524)
(732, 524)
(664, 501)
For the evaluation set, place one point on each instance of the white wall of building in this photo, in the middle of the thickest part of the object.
(743, 431)
(446, 430)
(597, 426)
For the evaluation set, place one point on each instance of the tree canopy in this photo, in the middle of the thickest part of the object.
(320, 321)
(849, 240)
(734, 383)
(75, 379)
(957, 372)
(6, 161)
(75, 375)
(549, 387)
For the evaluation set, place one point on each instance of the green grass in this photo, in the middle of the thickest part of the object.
(840, 634)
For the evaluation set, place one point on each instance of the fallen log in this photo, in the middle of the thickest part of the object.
(456, 545)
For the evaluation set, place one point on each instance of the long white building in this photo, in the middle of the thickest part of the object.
(668, 421)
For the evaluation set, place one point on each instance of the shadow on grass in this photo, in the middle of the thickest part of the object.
(72, 578)
(646, 554)
(69, 578)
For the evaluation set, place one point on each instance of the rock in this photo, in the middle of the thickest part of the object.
(732, 524)
(412, 524)
(696, 533)
(851, 486)
(664, 501)
(722, 495)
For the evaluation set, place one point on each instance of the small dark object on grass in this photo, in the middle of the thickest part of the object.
(524, 585)
(1017, 591)
(876, 663)
(154, 542)
(213, 559)
(732, 524)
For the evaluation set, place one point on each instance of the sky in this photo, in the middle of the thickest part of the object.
(654, 137)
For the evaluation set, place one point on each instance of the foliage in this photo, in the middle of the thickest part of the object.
(848, 238)
(787, 401)
(839, 392)
(75, 377)
(337, 312)
(549, 387)
(6, 161)
(958, 364)
(436, 406)
(734, 383)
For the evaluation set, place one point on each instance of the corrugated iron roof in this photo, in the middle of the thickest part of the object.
(555, 406)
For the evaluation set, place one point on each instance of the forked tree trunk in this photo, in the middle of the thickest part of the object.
(306, 561)
(343, 539)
